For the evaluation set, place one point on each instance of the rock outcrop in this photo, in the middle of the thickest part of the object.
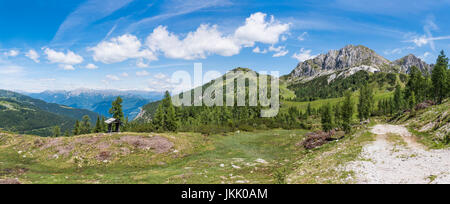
(348, 57)
(405, 64)
(351, 58)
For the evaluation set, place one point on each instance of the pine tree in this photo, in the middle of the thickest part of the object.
(85, 125)
(308, 110)
(116, 110)
(326, 118)
(416, 83)
(439, 78)
(412, 102)
(98, 126)
(77, 128)
(103, 124)
(347, 112)
(56, 131)
(366, 102)
(337, 115)
(165, 118)
(66, 133)
(398, 99)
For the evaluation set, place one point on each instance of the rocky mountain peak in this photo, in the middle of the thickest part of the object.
(405, 64)
(348, 57)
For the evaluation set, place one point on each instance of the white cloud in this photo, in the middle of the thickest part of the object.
(425, 56)
(124, 74)
(303, 55)
(160, 76)
(112, 77)
(69, 58)
(257, 29)
(279, 51)
(67, 67)
(206, 40)
(33, 55)
(428, 38)
(302, 36)
(12, 53)
(393, 51)
(91, 66)
(258, 50)
(120, 49)
(142, 73)
(424, 40)
(141, 64)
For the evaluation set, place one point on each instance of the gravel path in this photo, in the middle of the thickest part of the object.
(386, 163)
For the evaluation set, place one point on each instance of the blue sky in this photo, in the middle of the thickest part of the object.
(138, 44)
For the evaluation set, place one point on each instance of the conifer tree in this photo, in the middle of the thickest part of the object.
(412, 102)
(85, 125)
(56, 131)
(165, 118)
(98, 126)
(337, 115)
(398, 99)
(116, 109)
(347, 112)
(439, 78)
(366, 102)
(326, 118)
(77, 128)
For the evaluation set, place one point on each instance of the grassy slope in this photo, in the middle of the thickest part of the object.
(430, 125)
(198, 159)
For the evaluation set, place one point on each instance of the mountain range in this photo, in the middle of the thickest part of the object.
(23, 114)
(99, 101)
(352, 59)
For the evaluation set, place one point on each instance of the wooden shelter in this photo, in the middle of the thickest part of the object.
(113, 125)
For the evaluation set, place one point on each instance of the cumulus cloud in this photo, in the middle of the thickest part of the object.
(69, 58)
(206, 40)
(142, 73)
(258, 50)
(68, 67)
(12, 53)
(141, 64)
(120, 49)
(279, 51)
(91, 66)
(257, 29)
(112, 77)
(303, 55)
(160, 76)
(124, 74)
(33, 55)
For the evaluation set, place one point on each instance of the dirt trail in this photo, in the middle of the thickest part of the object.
(385, 162)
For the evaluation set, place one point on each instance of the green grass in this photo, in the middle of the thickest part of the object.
(324, 165)
(225, 158)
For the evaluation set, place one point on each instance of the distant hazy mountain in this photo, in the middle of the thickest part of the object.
(100, 101)
(23, 114)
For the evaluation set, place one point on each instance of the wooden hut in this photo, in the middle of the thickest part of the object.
(113, 125)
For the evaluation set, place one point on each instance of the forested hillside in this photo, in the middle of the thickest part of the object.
(24, 114)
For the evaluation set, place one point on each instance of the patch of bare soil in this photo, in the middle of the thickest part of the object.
(14, 171)
(157, 143)
(318, 139)
(9, 181)
(387, 163)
